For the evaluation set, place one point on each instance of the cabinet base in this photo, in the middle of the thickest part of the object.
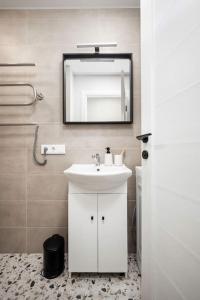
(120, 273)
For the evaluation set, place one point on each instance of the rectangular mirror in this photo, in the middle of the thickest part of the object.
(98, 88)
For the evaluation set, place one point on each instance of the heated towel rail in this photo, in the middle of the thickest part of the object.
(18, 65)
(36, 95)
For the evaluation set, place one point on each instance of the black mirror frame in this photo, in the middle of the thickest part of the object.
(99, 55)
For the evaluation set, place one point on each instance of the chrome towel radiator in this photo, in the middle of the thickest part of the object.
(36, 96)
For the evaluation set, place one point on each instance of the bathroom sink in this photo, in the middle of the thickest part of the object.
(97, 178)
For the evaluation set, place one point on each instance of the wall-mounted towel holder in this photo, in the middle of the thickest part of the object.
(36, 96)
(18, 65)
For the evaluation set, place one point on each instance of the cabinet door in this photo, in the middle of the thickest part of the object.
(82, 232)
(112, 233)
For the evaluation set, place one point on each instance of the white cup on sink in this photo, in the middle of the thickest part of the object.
(118, 159)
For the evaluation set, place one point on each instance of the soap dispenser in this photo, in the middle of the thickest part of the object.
(108, 160)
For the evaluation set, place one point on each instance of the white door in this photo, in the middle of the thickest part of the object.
(82, 234)
(170, 45)
(146, 7)
(112, 233)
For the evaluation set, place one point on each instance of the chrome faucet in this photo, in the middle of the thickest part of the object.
(97, 159)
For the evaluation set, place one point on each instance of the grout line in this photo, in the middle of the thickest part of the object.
(54, 201)
(76, 7)
(30, 227)
(13, 227)
(46, 227)
(58, 200)
(12, 200)
(33, 200)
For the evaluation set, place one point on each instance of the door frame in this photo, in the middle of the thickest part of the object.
(147, 79)
(95, 95)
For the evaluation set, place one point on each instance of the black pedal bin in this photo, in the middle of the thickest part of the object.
(53, 256)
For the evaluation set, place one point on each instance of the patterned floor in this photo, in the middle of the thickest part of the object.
(20, 279)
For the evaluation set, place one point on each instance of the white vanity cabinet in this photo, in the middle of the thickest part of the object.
(97, 230)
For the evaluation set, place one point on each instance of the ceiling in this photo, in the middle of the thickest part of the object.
(59, 4)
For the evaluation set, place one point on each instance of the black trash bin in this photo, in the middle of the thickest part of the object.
(53, 256)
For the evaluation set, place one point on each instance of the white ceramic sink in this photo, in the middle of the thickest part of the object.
(89, 176)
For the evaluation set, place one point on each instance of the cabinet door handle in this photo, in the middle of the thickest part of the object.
(92, 218)
(102, 218)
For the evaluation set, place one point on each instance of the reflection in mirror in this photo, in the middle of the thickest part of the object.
(97, 90)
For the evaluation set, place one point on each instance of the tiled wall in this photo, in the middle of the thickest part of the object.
(33, 199)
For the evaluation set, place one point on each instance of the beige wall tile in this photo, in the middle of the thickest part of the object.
(12, 240)
(86, 136)
(131, 239)
(47, 213)
(116, 29)
(12, 187)
(40, 188)
(131, 188)
(12, 213)
(131, 213)
(12, 137)
(48, 110)
(15, 114)
(13, 27)
(58, 163)
(49, 83)
(13, 160)
(132, 158)
(48, 187)
(37, 236)
(42, 36)
(136, 116)
(67, 26)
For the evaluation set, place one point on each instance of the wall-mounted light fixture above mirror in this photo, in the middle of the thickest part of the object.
(98, 88)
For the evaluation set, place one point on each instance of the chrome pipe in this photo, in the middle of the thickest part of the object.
(18, 124)
(36, 95)
(18, 65)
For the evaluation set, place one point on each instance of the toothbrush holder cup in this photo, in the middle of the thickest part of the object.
(118, 160)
